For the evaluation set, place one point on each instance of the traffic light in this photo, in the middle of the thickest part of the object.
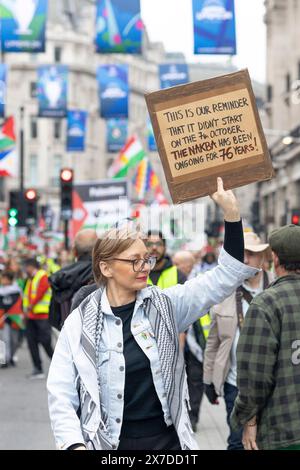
(296, 216)
(66, 193)
(16, 209)
(30, 207)
(13, 217)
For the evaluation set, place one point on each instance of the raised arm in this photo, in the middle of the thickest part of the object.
(206, 290)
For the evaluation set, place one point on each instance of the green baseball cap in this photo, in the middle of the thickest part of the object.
(285, 242)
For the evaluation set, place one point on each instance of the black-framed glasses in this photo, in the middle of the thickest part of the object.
(138, 264)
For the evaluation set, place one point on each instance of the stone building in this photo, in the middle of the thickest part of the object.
(70, 41)
(279, 197)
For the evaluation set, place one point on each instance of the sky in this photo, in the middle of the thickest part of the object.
(171, 22)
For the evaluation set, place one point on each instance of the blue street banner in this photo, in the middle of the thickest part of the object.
(3, 78)
(52, 90)
(113, 91)
(152, 147)
(214, 27)
(76, 130)
(23, 24)
(119, 26)
(173, 74)
(116, 134)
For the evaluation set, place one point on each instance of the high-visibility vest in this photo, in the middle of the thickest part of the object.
(42, 306)
(51, 266)
(201, 330)
(205, 322)
(168, 278)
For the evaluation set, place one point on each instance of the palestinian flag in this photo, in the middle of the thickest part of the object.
(17, 320)
(129, 157)
(8, 156)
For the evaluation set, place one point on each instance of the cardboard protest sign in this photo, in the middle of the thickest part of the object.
(207, 129)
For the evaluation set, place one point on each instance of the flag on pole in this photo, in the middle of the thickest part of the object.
(146, 180)
(129, 157)
(140, 179)
(8, 155)
(152, 181)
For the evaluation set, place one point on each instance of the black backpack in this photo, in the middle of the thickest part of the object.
(58, 312)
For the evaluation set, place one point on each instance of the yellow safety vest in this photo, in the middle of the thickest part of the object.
(51, 266)
(42, 306)
(168, 278)
(205, 322)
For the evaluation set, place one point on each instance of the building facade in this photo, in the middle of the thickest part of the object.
(279, 197)
(70, 41)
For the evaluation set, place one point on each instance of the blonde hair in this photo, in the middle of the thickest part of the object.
(112, 243)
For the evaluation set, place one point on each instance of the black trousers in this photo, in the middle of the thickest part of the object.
(38, 332)
(194, 370)
(235, 437)
(165, 441)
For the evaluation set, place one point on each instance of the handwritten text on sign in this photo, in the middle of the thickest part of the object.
(208, 133)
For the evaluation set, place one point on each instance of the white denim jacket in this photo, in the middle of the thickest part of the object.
(196, 295)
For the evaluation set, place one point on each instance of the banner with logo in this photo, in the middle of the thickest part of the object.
(23, 25)
(3, 78)
(52, 91)
(116, 134)
(214, 27)
(76, 131)
(119, 26)
(173, 74)
(113, 91)
(152, 147)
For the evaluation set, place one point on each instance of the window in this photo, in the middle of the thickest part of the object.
(269, 93)
(33, 89)
(57, 129)
(57, 54)
(33, 128)
(57, 163)
(287, 82)
(287, 89)
(33, 170)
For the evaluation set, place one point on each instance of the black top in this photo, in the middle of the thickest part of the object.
(234, 240)
(143, 415)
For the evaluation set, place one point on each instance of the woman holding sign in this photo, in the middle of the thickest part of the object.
(117, 378)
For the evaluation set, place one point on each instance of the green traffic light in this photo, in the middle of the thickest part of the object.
(13, 212)
(13, 217)
(12, 221)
